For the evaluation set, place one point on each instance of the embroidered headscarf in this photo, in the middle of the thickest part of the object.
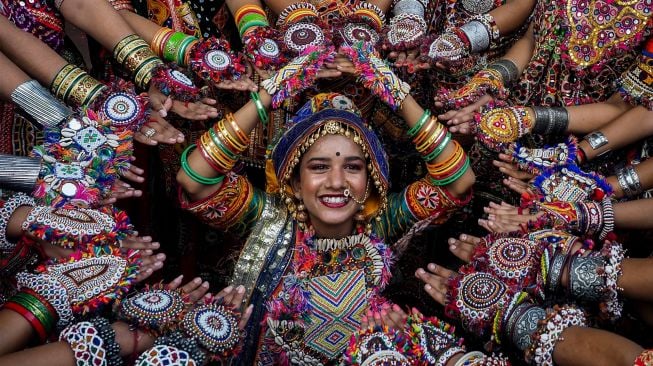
(331, 114)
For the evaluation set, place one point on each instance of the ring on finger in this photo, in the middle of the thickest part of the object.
(149, 133)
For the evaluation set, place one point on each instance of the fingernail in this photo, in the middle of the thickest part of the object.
(384, 313)
(463, 237)
(427, 287)
(197, 280)
(240, 289)
(452, 241)
(178, 278)
(452, 247)
(396, 307)
(491, 216)
(421, 271)
(431, 266)
(228, 289)
(205, 284)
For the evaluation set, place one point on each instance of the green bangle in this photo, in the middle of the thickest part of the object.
(193, 174)
(454, 177)
(181, 50)
(171, 47)
(36, 307)
(439, 149)
(262, 113)
(250, 17)
(230, 154)
(252, 23)
(420, 123)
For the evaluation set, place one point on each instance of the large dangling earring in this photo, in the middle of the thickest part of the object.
(301, 215)
(360, 217)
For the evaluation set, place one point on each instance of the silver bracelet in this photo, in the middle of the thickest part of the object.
(508, 70)
(550, 120)
(596, 139)
(19, 173)
(585, 282)
(478, 36)
(10, 205)
(628, 180)
(523, 323)
(409, 6)
(555, 271)
(37, 101)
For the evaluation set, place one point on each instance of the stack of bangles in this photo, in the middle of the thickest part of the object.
(429, 136)
(36, 310)
(135, 55)
(173, 46)
(75, 86)
(248, 17)
(220, 148)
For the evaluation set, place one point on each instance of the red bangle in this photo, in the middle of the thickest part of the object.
(43, 301)
(33, 321)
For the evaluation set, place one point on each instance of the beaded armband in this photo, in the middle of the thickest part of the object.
(362, 25)
(83, 282)
(220, 337)
(296, 12)
(499, 127)
(376, 76)
(263, 50)
(73, 228)
(75, 86)
(135, 55)
(434, 338)
(213, 61)
(6, 211)
(537, 160)
(549, 333)
(569, 183)
(636, 84)
(171, 81)
(93, 342)
(404, 32)
(173, 349)
(154, 309)
(487, 81)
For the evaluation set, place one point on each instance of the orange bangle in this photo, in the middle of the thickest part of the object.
(456, 158)
(424, 131)
(239, 146)
(159, 40)
(433, 138)
(440, 166)
(218, 157)
(250, 8)
(234, 126)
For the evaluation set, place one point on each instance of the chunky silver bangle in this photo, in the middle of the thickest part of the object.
(628, 180)
(10, 205)
(585, 283)
(478, 36)
(409, 6)
(19, 173)
(523, 323)
(608, 218)
(550, 120)
(37, 101)
(508, 70)
(555, 271)
(596, 139)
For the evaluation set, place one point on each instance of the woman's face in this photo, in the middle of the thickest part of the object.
(333, 164)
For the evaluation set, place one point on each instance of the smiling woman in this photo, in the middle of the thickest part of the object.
(319, 245)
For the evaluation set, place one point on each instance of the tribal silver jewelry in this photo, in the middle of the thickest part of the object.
(37, 101)
(596, 140)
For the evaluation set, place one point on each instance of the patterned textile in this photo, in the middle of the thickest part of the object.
(338, 301)
(561, 76)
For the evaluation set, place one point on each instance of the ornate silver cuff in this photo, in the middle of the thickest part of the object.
(585, 283)
(508, 70)
(628, 180)
(596, 139)
(550, 120)
(19, 173)
(478, 36)
(37, 101)
(409, 6)
(555, 271)
(523, 323)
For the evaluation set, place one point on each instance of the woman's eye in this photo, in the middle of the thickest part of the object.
(318, 167)
(354, 167)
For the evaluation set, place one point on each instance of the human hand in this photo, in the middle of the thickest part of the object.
(504, 218)
(436, 281)
(462, 121)
(196, 111)
(485, 82)
(464, 246)
(404, 32)
(159, 102)
(158, 130)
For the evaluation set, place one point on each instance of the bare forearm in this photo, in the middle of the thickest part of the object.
(13, 76)
(15, 332)
(584, 119)
(33, 56)
(594, 347)
(97, 18)
(634, 214)
(637, 278)
(522, 51)
(510, 16)
(624, 128)
(145, 28)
